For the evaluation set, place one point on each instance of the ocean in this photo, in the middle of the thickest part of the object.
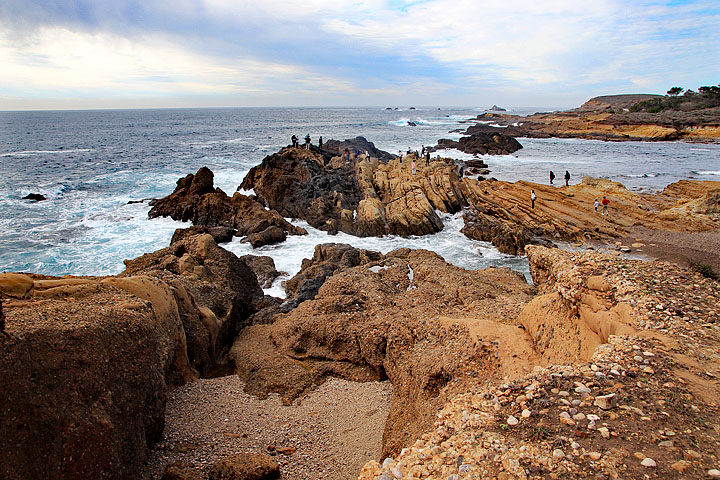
(90, 164)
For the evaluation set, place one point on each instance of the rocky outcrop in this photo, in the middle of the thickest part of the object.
(86, 362)
(218, 292)
(391, 316)
(85, 371)
(482, 143)
(263, 268)
(365, 197)
(195, 200)
(502, 213)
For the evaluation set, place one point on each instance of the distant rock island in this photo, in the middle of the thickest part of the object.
(495, 108)
(692, 116)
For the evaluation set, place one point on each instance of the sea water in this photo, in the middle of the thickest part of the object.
(91, 164)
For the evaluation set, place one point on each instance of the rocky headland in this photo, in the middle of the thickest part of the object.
(615, 118)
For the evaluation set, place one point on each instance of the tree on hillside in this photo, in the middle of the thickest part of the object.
(675, 91)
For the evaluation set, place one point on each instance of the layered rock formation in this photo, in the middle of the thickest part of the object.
(607, 118)
(365, 197)
(86, 362)
(196, 200)
(501, 212)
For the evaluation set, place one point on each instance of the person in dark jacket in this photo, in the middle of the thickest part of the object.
(567, 178)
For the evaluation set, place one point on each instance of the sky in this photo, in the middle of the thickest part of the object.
(84, 54)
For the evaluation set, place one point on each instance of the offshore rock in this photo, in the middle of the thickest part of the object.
(358, 143)
(195, 200)
(482, 143)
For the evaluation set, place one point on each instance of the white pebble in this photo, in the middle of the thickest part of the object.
(512, 420)
(648, 462)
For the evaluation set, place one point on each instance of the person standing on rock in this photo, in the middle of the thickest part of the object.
(307, 142)
(596, 205)
(400, 156)
(552, 177)
(605, 203)
(532, 198)
(427, 158)
(567, 178)
(346, 154)
(320, 142)
(294, 140)
(413, 166)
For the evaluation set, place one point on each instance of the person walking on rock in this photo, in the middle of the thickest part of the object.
(567, 178)
(596, 205)
(532, 198)
(605, 203)
(552, 177)
(307, 142)
(320, 142)
(294, 140)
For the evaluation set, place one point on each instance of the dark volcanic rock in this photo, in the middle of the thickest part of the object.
(38, 197)
(195, 200)
(296, 184)
(482, 143)
(360, 143)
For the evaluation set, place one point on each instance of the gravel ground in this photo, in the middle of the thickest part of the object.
(332, 432)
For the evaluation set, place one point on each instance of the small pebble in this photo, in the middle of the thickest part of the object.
(648, 462)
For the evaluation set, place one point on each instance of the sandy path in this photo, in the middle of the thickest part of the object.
(335, 429)
(683, 248)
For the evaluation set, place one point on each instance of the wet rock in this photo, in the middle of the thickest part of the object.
(219, 234)
(37, 197)
(268, 236)
(263, 267)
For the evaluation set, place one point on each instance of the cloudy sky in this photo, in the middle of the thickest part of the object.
(177, 53)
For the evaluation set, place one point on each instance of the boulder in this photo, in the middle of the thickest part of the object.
(264, 269)
(506, 237)
(268, 236)
(245, 466)
(182, 471)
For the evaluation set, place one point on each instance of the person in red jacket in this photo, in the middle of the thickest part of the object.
(605, 203)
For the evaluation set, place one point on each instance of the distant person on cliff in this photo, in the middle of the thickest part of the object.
(532, 198)
(346, 154)
(413, 166)
(320, 142)
(400, 156)
(605, 203)
(567, 178)
(307, 142)
(552, 177)
(427, 158)
(294, 140)
(422, 150)
(596, 205)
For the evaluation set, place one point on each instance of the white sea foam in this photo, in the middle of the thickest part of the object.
(30, 153)
(708, 172)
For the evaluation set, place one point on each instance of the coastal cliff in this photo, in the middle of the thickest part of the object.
(616, 118)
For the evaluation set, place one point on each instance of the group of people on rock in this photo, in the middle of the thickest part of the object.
(295, 144)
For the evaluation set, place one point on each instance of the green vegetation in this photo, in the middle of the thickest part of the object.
(705, 97)
(705, 270)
